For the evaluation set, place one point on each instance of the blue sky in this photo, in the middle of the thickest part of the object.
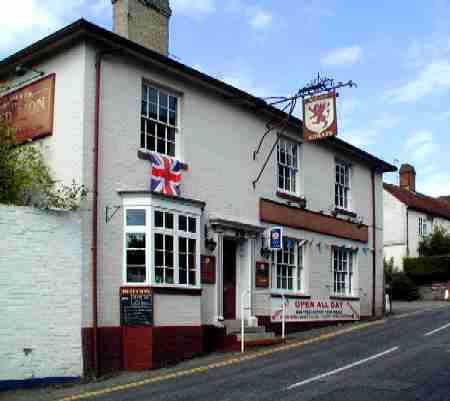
(398, 53)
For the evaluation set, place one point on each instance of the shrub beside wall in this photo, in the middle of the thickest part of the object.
(425, 270)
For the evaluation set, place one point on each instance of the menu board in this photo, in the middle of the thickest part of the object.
(136, 306)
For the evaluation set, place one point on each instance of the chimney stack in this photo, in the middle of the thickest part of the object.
(143, 21)
(408, 177)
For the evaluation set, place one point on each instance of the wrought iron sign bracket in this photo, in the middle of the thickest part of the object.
(287, 105)
(110, 212)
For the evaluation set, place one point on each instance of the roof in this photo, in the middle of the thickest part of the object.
(82, 29)
(419, 202)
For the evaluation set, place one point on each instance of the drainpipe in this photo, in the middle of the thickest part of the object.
(374, 233)
(407, 231)
(98, 64)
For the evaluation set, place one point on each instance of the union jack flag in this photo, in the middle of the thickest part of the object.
(165, 175)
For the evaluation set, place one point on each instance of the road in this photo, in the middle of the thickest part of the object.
(404, 359)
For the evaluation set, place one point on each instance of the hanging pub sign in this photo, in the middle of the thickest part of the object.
(319, 116)
(136, 306)
(165, 174)
(29, 110)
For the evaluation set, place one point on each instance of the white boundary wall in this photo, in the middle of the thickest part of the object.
(40, 294)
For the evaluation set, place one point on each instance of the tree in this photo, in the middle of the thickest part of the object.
(437, 243)
(25, 179)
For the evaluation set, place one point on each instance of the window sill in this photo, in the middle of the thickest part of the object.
(176, 290)
(143, 155)
(344, 298)
(292, 198)
(289, 295)
(345, 212)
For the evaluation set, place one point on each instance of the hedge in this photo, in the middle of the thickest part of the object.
(426, 269)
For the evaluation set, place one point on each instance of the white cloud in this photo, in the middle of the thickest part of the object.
(343, 56)
(260, 19)
(26, 21)
(420, 145)
(435, 184)
(433, 78)
(196, 9)
(360, 138)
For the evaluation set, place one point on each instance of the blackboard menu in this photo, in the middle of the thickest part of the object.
(136, 306)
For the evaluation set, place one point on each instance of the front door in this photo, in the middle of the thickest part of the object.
(229, 279)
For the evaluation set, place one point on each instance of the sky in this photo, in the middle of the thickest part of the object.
(398, 52)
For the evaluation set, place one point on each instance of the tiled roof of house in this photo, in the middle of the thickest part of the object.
(420, 202)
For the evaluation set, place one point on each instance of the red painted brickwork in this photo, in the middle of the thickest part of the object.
(137, 348)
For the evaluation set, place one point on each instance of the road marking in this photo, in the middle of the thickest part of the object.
(221, 364)
(333, 372)
(438, 329)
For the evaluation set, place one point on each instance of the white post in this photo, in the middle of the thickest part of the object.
(283, 317)
(242, 319)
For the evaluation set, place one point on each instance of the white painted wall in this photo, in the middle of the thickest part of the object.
(40, 294)
(217, 140)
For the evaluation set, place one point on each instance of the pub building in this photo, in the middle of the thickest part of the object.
(175, 236)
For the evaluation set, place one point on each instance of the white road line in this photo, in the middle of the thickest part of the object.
(436, 330)
(333, 372)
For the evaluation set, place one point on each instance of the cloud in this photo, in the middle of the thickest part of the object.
(360, 138)
(26, 21)
(260, 19)
(196, 9)
(343, 56)
(435, 184)
(431, 79)
(420, 145)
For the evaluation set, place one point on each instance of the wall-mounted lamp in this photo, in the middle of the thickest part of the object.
(210, 244)
(265, 253)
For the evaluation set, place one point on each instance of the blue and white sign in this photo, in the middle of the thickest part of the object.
(276, 238)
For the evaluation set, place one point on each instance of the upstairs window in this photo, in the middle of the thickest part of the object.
(342, 195)
(159, 121)
(287, 159)
(423, 227)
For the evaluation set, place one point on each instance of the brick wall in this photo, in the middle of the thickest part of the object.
(40, 294)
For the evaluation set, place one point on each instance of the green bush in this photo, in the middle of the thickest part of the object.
(436, 244)
(426, 269)
(403, 288)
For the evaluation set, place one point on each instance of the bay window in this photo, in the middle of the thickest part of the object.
(161, 247)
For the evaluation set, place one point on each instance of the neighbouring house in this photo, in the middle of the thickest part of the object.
(409, 216)
(163, 276)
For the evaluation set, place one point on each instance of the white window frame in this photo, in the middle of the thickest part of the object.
(348, 270)
(286, 144)
(298, 277)
(147, 86)
(345, 186)
(423, 233)
(150, 206)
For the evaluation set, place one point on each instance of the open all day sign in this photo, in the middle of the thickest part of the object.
(299, 310)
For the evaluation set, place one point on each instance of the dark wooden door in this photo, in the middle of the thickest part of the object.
(229, 279)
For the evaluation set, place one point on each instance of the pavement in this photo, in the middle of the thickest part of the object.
(405, 357)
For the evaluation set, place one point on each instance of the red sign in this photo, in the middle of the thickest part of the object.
(208, 264)
(262, 275)
(30, 109)
(319, 117)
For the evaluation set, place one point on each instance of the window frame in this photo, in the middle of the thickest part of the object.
(347, 190)
(351, 285)
(177, 128)
(299, 271)
(296, 181)
(423, 224)
(150, 230)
